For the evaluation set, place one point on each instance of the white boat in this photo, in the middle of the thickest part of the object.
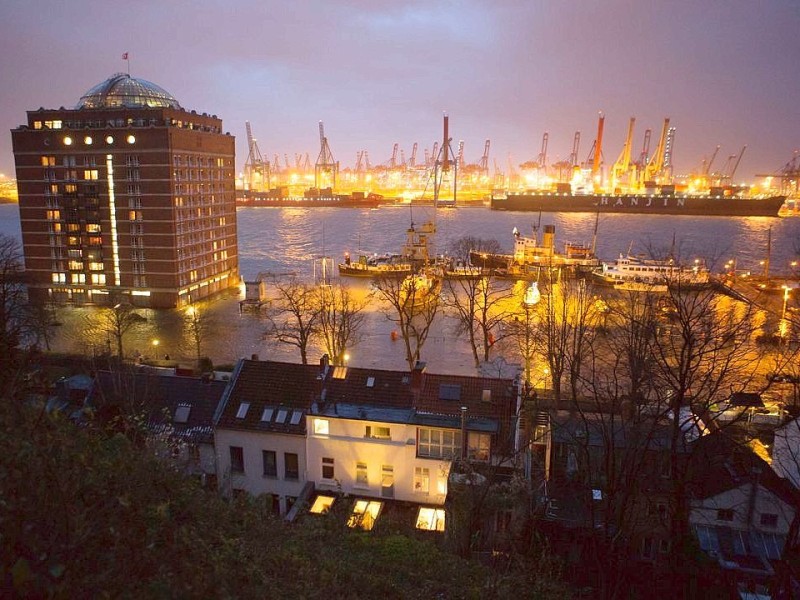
(641, 286)
(628, 269)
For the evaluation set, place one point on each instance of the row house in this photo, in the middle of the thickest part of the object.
(373, 436)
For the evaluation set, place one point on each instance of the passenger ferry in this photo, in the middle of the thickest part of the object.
(629, 269)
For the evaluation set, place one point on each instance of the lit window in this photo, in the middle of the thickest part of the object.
(242, 412)
(37, 124)
(430, 519)
(438, 443)
(364, 514)
(378, 433)
(90, 174)
(387, 481)
(478, 446)
(78, 278)
(361, 474)
(322, 504)
(92, 228)
(98, 279)
(109, 139)
(422, 480)
(131, 139)
(67, 140)
(327, 468)
(339, 372)
(321, 427)
(59, 278)
(87, 140)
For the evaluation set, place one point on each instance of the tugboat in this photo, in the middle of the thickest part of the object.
(418, 289)
(414, 254)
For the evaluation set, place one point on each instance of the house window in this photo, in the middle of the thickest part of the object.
(327, 468)
(266, 416)
(361, 474)
(647, 551)
(769, 520)
(378, 433)
(430, 519)
(478, 446)
(725, 514)
(237, 459)
(663, 546)
(242, 412)
(438, 443)
(291, 468)
(182, 413)
(387, 481)
(364, 515)
(321, 426)
(422, 480)
(270, 463)
(281, 417)
(322, 504)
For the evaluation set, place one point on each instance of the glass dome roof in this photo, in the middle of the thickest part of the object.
(122, 90)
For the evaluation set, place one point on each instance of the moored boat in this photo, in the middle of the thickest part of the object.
(630, 270)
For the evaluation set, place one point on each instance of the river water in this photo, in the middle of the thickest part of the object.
(291, 239)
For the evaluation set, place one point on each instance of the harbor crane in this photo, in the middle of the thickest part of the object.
(256, 169)
(576, 143)
(729, 170)
(621, 170)
(788, 175)
(444, 167)
(460, 159)
(654, 170)
(484, 162)
(594, 160)
(393, 159)
(326, 167)
(412, 162)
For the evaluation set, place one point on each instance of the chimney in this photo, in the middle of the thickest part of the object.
(254, 357)
(324, 363)
(416, 375)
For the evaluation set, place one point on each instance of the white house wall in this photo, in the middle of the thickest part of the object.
(253, 479)
(786, 452)
(704, 512)
(347, 445)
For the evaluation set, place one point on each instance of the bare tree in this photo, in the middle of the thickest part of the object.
(413, 308)
(294, 315)
(481, 305)
(198, 325)
(115, 322)
(340, 318)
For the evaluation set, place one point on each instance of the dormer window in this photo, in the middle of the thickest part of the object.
(242, 412)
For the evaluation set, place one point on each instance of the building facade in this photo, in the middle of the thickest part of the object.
(128, 196)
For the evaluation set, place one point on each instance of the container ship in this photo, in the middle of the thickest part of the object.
(719, 202)
(311, 198)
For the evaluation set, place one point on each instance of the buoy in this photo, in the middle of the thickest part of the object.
(393, 335)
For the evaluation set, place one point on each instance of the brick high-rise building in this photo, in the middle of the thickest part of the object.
(126, 196)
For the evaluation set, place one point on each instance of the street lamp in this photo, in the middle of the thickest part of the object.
(531, 299)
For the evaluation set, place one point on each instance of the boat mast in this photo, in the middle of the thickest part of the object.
(769, 252)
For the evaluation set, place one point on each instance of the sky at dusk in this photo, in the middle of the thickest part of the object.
(379, 72)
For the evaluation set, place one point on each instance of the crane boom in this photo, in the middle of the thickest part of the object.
(622, 166)
(655, 165)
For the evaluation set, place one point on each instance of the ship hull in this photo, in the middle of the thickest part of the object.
(302, 202)
(660, 204)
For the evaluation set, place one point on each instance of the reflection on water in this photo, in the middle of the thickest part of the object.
(288, 239)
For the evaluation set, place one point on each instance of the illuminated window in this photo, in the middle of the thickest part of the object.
(37, 124)
(95, 240)
(478, 446)
(327, 468)
(438, 443)
(361, 474)
(78, 278)
(92, 228)
(131, 139)
(75, 265)
(95, 266)
(67, 140)
(430, 519)
(59, 278)
(53, 124)
(321, 426)
(387, 481)
(322, 504)
(53, 215)
(91, 174)
(48, 161)
(70, 188)
(364, 514)
(422, 480)
(98, 278)
(378, 433)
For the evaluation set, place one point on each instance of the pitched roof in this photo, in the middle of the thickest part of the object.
(269, 396)
(185, 404)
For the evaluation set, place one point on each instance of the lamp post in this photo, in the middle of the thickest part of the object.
(531, 299)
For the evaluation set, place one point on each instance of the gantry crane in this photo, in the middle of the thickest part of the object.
(460, 158)
(594, 160)
(256, 169)
(654, 171)
(325, 165)
(484, 162)
(789, 176)
(413, 160)
(393, 159)
(621, 170)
